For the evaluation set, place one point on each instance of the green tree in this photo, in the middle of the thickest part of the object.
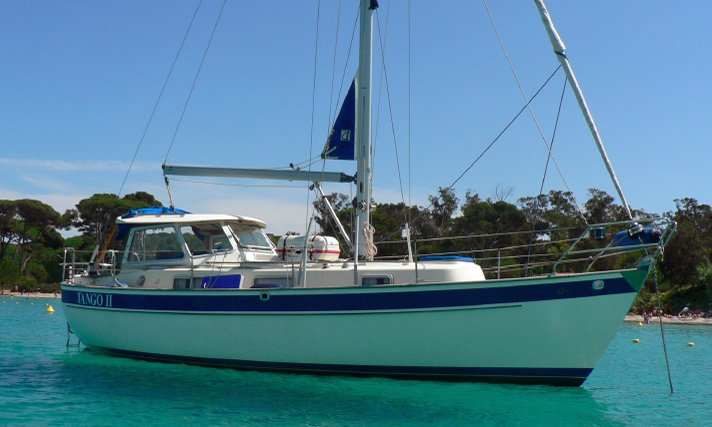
(9, 272)
(342, 206)
(687, 255)
(8, 224)
(36, 229)
(96, 215)
(555, 210)
(490, 218)
(144, 199)
(443, 207)
(388, 219)
(600, 208)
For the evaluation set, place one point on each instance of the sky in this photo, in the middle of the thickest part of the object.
(79, 81)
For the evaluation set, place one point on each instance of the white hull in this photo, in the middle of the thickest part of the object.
(550, 330)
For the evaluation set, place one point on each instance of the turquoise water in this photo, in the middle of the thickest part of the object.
(42, 382)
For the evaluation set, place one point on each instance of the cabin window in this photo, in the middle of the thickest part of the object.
(250, 236)
(181, 283)
(376, 280)
(273, 282)
(204, 239)
(154, 244)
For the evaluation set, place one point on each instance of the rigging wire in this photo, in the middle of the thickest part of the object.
(410, 108)
(390, 106)
(480, 235)
(298, 165)
(374, 149)
(160, 95)
(383, 40)
(491, 144)
(332, 107)
(524, 96)
(346, 64)
(553, 137)
(314, 75)
(316, 158)
(330, 124)
(511, 122)
(195, 80)
(303, 164)
(333, 66)
(313, 107)
(543, 178)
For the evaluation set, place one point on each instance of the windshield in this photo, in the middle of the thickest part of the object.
(251, 236)
(203, 239)
(154, 243)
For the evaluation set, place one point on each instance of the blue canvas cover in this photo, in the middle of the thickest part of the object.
(228, 281)
(646, 236)
(446, 258)
(153, 210)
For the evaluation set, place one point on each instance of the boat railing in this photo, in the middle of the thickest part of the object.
(603, 246)
(71, 266)
(77, 262)
(597, 247)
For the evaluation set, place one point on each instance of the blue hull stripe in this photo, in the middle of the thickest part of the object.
(360, 300)
(555, 376)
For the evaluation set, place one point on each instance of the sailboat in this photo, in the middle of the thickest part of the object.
(213, 289)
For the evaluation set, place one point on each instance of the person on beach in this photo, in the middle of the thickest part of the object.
(685, 312)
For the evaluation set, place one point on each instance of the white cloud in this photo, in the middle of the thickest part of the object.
(78, 165)
(282, 210)
(60, 202)
(45, 183)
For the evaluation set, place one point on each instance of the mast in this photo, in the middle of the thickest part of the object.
(560, 51)
(363, 128)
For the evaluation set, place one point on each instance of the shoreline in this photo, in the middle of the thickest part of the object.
(31, 295)
(668, 320)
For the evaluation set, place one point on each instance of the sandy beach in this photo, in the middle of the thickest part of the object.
(672, 320)
(30, 295)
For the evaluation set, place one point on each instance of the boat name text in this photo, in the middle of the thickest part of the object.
(93, 299)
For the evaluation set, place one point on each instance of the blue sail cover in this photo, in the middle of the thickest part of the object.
(154, 210)
(646, 236)
(340, 144)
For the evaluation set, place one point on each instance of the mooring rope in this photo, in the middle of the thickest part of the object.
(662, 330)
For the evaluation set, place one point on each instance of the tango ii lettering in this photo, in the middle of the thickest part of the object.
(94, 299)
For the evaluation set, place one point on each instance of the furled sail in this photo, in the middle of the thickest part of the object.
(340, 143)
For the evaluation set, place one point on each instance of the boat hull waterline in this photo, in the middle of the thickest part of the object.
(548, 330)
